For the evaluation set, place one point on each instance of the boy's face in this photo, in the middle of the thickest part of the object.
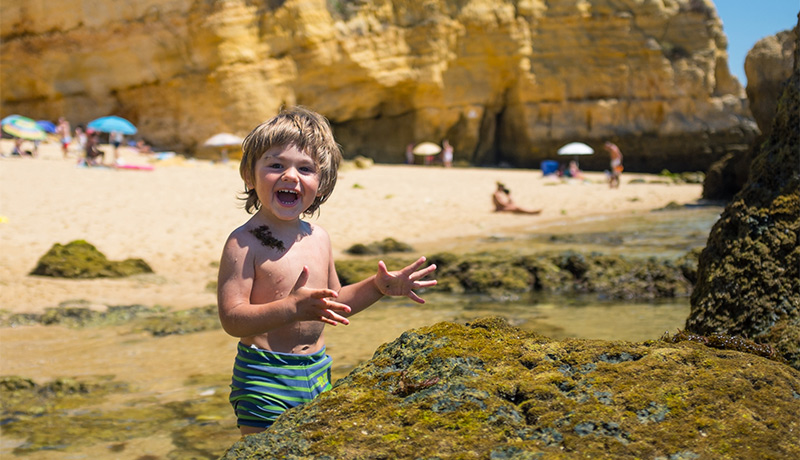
(286, 181)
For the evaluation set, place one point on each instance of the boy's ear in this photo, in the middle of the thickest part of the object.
(248, 181)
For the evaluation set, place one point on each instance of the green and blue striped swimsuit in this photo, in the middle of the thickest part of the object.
(267, 383)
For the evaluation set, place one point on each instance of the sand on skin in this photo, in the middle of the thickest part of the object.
(177, 217)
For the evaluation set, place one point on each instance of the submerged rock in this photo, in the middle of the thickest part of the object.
(748, 277)
(79, 259)
(489, 390)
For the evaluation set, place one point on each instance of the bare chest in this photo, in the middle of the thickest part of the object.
(277, 274)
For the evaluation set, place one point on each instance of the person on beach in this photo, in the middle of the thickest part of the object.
(116, 140)
(64, 132)
(615, 164)
(81, 137)
(277, 285)
(93, 152)
(447, 154)
(503, 202)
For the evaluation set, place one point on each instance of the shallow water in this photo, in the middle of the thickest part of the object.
(182, 380)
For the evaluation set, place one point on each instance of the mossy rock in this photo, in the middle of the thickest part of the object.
(388, 245)
(504, 274)
(489, 390)
(79, 259)
(748, 276)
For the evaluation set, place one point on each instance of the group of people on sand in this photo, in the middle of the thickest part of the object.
(502, 196)
(87, 141)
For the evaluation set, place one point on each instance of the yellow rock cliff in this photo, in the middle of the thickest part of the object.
(505, 81)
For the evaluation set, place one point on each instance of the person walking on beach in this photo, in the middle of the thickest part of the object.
(64, 132)
(503, 202)
(277, 285)
(615, 164)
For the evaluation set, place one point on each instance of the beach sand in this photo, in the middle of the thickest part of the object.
(177, 217)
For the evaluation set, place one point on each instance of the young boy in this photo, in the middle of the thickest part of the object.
(277, 281)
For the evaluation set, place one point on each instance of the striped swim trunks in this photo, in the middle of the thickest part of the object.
(267, 383)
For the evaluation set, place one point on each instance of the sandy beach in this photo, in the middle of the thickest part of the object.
(177, 216)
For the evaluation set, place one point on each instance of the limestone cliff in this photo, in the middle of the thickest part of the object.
(504, 80)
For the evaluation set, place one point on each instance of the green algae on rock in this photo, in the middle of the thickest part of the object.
(503, 274)
(489, 390)
(79, 259)
(157, 320)
(748, 278)
(379, 247)
(68, 413)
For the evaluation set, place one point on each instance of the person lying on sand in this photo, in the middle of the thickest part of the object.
(503, 202)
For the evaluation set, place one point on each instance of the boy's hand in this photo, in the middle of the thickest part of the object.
(316, 304)
(403, 282)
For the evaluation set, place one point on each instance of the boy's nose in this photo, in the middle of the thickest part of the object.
(289, 175)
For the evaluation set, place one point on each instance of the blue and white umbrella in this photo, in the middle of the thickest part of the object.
(112, 124)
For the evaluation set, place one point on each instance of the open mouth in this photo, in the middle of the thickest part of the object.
(287, 197)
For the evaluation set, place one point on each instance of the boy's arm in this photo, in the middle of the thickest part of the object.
(241, 318)
(403, 282)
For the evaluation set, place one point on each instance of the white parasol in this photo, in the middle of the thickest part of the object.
(222, 142)
(427, 149)
(576, 148)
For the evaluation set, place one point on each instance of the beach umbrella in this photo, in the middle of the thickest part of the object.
(427, 149)
(112, 124)
(223, 140)
(23, 128)
(9, 118)
(47, 126)
(576, 148)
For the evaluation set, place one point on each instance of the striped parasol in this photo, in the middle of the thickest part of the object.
(23, 128)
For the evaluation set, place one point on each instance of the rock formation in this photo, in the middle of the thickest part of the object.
(768, 65)
(748, 276)
(488, 390)
(507, 81)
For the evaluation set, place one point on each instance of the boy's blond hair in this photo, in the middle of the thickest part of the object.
(307, 130)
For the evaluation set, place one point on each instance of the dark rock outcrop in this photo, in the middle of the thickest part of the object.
(768, 66)
(749, 273)
(488, 390)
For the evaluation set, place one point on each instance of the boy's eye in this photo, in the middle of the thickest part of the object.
(275, 165)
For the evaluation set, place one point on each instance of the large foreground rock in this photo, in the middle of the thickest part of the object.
(488, 390)
(748, 276)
